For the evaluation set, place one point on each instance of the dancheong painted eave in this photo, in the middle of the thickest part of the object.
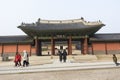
(61, 27)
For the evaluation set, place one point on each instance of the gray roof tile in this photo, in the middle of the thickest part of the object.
(106, 37)
(15, 39)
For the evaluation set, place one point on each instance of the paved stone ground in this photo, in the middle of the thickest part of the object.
(76, 71)
(94, 74)
(56, 66)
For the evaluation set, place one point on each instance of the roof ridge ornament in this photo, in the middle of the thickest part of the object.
(38, 20)
(82, 18)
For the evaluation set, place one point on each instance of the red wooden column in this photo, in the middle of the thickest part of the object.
(85, 46)
(82, 47)
(38, 47)
(30, 50)
(92, 50)
(52, 46)
(16, 47)
(2, 49)
(106, 52)
(70, 46)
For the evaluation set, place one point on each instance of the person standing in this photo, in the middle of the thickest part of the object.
(25, 58)
(115, 59)
(60, 55)
(64, 55)
(17, 59)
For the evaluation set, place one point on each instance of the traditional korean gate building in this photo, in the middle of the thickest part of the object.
(55, 31)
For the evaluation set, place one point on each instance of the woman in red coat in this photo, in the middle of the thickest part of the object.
(17, 59)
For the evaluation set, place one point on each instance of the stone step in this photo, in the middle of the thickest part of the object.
(56, 61)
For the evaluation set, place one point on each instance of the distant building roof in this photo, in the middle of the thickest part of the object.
(106, 37)
(26, 39)
(15, 39)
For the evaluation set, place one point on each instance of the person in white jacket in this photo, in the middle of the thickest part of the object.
(25, 58)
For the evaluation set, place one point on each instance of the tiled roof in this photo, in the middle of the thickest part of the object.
(106, 37)
(15, 39)
(27, 39)
(61, 27)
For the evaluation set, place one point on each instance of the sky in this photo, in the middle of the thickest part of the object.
(14, 12)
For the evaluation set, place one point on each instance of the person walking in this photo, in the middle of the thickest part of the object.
(25, 58)
(60, 55)
(64, 55)
(115, 59)
(17, 59)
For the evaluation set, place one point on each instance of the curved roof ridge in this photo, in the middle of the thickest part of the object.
(70, 21)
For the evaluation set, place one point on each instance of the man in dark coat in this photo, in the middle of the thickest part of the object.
(60, 55)
(115, 59)
(64, 55)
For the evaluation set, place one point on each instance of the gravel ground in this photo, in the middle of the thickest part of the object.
(99, 74)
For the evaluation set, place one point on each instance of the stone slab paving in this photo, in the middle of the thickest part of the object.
(57, 66)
